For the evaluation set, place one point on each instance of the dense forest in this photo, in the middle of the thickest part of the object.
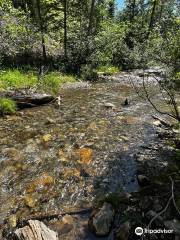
(89, 119)
(82, 36)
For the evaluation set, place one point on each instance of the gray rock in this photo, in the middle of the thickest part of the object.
(123, 232)
(173, 225)
(101, 222)
(50, 121)
(143, 180)
(109, 105)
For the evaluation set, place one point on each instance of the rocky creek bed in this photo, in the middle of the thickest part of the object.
(92, 160)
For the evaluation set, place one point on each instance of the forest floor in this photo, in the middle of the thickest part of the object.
(93, 148)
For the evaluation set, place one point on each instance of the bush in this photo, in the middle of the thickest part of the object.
(108, 70)
(7, 106)
(89, 73)
(15, 79)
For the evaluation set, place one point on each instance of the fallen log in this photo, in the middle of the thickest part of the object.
(52, 215)
(35, 230)
(28, 100)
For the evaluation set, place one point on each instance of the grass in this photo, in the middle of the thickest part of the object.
(16, 79)
(13, 79)
(108, 70)
(7, 106)
(52, 82)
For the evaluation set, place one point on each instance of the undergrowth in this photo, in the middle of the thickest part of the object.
(16, 79)
(108, 70)
(7, 106)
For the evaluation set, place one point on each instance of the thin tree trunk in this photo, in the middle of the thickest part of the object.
(65, 29)
(133, 10)
(151, 23)
(43, 44)
(91, 17)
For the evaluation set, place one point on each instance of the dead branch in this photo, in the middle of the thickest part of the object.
(51, 215)
(172, 198)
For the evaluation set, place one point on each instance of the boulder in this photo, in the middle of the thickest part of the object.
(35, 230)
(123, 231)
(100, 223)
(143, 180)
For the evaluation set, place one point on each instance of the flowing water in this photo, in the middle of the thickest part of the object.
(56, 158)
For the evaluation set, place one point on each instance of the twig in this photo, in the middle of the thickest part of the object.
(166, 207)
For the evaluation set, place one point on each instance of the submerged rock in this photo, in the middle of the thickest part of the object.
(67, 219)
(12, 221)
(143, 180)
(29, 201)
(101, 222)
(50, 121)
(44, 180)
(109, 105)
(85, 155)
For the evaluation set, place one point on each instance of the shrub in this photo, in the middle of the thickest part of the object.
(7, 106)
(51, 82)
(88, 73)
(108, 70)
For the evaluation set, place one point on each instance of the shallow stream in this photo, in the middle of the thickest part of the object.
(64, 157)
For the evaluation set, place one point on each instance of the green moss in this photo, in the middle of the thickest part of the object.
(7, 106)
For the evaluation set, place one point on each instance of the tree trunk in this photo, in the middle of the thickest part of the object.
(152, 18)
(65, 29)
(91, 17)
(43, 44)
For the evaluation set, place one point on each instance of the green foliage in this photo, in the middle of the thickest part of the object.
(89, 73)
(7, 106)
(96, 37)
(108, 70)
(51, 82)
(16, 79)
